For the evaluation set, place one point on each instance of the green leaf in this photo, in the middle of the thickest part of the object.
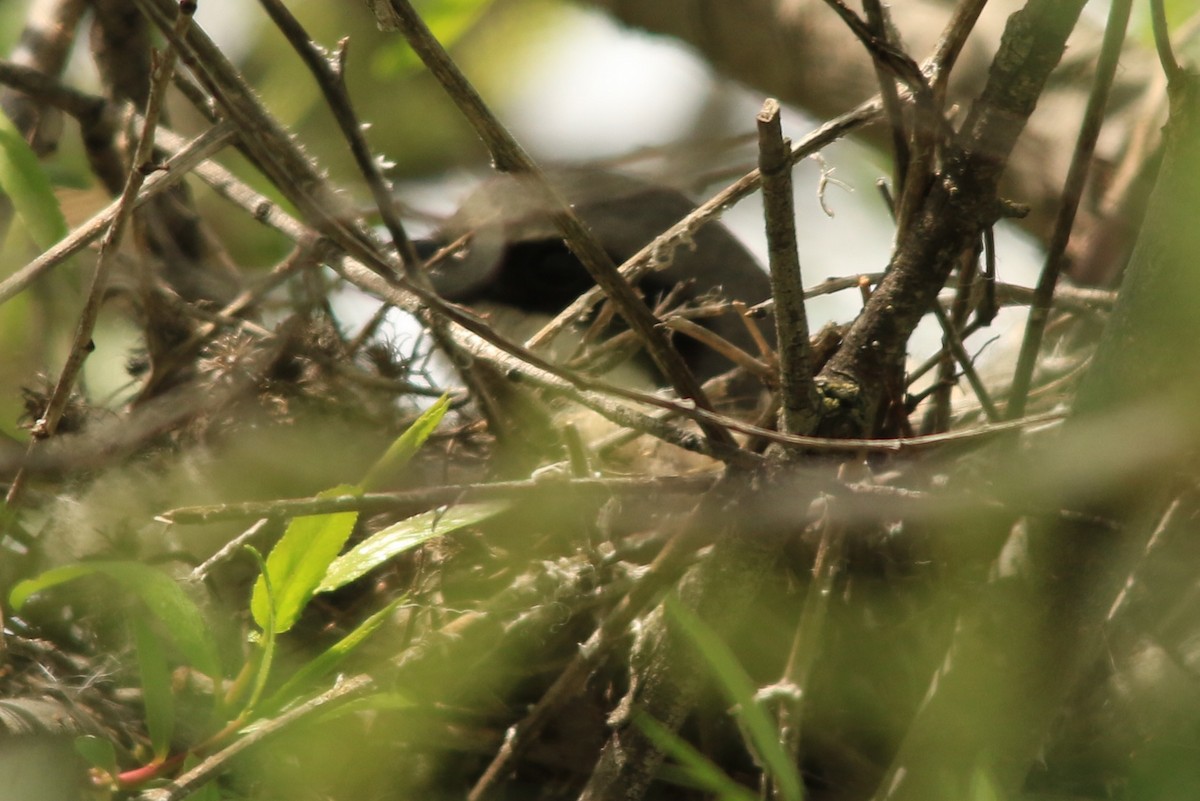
(59, 575)
(404, 536)
(24, 181)
(407, 444)
(324, 664)
(267, 643)
(161, 595)
(299, 561)
(739, 689)
(449, 20)
(157, 698)
(97, 752)
(702, 772)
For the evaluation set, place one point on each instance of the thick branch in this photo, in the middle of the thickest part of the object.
(961, 201)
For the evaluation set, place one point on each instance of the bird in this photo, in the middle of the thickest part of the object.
(517, 272)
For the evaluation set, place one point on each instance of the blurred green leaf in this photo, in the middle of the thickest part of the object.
(407, 444)
(449, 20)
(699, 770)
(24, 181)
(157, 698)
(299, 561)
(404, 536)
(97, 752)
(983, 787)
(161, 595)
(738, 687)
(267, 650)
(324, 664)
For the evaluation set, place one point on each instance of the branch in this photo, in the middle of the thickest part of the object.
(958, 205)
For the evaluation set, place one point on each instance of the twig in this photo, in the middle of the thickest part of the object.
(212, 767)
(788, 693)
(950, 45)
(329, 75)
(227, 551)
(140, 166)
(1162, 43)
(800, 402)
(509, 156)
(44, 48)
(682, 324)
(955, 343)
(878, 23)
(883, 52)
(1081, 162)
(379, 502)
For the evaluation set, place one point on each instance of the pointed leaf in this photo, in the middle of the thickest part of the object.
(24, 181)
(407, 444)
(298, 561)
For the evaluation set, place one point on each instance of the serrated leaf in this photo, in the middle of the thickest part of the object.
(24, 181)
(404, 536)
(739, 688)
(157, 698)
(298, 562)
(161, 595)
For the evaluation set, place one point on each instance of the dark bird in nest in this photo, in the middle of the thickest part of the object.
(517, 271)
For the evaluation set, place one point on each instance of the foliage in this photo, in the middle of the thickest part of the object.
(303, 562)
(342, 532)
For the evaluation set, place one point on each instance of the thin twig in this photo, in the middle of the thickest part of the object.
(380, 502)
(955, 343)
(950, 45)
(788, 693)
(1081, 162)
(878, 22)
(1162, 43)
